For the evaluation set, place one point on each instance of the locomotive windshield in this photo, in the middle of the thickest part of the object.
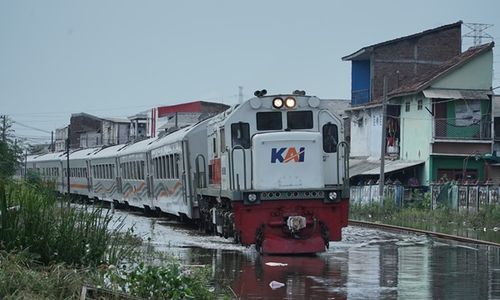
(300, 119)
(269, 120)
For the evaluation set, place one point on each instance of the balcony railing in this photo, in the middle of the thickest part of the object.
(467, 129)
(360, 96)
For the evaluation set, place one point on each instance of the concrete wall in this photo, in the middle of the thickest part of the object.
(416, 132)
(366, 134)
(475, 75)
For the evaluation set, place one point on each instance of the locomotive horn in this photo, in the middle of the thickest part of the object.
(260, 93)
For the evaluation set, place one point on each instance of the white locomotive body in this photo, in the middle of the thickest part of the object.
(271, 171)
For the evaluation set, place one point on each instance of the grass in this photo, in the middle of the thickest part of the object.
(49, 249)
(420, 216)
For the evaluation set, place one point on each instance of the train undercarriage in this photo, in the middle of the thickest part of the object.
(276, 227)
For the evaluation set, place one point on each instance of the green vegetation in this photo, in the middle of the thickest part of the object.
(10, 152)
(421, 216)
(168, 281)
(49, 249)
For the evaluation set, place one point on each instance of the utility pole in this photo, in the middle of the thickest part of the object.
(240, 94)
(25, 164)
(67, 159)
(4, 128)
(382, 147)
(52, 141)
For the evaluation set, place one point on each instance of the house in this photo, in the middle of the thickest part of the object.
(164, 119)
(88, 131)
(446, 117)
(398, 60)
(60, 140)
(438, 118)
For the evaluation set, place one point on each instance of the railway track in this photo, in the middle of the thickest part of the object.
(420, 231)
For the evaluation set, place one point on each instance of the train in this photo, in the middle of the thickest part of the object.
(271, 171)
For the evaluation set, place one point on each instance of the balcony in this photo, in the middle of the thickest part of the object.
(360, 96)
(463, 129)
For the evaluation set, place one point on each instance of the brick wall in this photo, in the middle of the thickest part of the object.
(81, 124)
(412, 57)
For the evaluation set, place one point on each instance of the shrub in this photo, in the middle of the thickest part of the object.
(169, 281)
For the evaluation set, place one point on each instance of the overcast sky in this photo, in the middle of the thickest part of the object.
(117, 58)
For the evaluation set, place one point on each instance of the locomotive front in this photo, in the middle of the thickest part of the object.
(278, 174)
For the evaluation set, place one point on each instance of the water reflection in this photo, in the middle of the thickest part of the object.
(367, 264)
(384, 269)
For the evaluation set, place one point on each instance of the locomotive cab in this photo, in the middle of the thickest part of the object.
(277, 174)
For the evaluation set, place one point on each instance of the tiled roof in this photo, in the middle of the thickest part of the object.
(363, 50)
(425, 80)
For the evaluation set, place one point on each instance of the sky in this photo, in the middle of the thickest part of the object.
(115, 58)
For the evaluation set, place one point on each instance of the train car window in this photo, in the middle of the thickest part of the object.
(142, 169)
(269, 120)
(163, 168)
(299, 119)
(156, 167)
(222, 139)
(177, 166)
(171, 164)
(240, 134)
(330, 138)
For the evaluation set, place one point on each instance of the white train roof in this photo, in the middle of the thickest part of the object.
(45, 157)
(107, 152)
(137, 147)
(83, 153)
(176, 136)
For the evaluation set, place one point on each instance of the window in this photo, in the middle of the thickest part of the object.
(407, 106)
(269, 120)
(222, 139)
(330, 138)
(171, 166)
(420, 104)
(177, 161)
(299, 119)
(240, 134)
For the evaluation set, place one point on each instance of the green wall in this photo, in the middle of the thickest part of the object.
(455, 162)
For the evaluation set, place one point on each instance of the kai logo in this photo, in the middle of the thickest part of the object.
(284, 155)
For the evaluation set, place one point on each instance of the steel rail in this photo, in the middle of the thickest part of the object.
(421, 231)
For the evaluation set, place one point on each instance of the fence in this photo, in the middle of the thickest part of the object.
(464, 197)
(400, 195)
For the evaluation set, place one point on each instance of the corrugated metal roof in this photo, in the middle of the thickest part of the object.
(372, 167)
(456, 94)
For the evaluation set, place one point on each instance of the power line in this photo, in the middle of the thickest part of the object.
(30, 127)
(478, 32)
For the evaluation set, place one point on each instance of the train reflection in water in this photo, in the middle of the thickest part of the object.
(382, 270)
(367, 264)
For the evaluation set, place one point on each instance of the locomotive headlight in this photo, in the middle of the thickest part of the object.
(332, 195)
(252, 197)
(290, 102)
(278, 102)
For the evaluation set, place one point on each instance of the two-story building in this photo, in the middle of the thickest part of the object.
(438, 102)
(446, 117)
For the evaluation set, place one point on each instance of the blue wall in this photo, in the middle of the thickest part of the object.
(360, 88)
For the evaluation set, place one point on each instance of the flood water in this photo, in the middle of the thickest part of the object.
(367, 264)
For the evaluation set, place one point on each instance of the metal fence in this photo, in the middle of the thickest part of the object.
(462, 129)
(396, 193)
(464, 197)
